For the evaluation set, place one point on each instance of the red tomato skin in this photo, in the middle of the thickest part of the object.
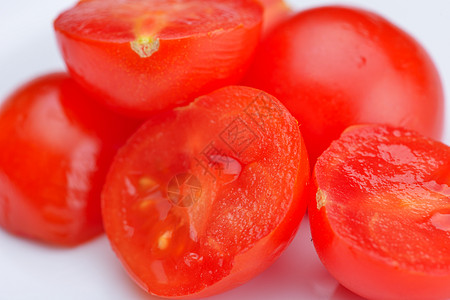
(259, 258)
(246, 264)
(358, 269)
(181, 70)
(56, 150)
(380, 282)
(266, 252)
(336, 66)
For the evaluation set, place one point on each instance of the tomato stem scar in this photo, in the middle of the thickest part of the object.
(145, 46)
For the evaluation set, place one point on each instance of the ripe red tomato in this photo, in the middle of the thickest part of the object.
(144, 56)
(203, 199)
(334, 67)
(381, 219)
(56, 147)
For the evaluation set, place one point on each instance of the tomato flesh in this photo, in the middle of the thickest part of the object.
(140, 57)
(202, 199)
(56, 149)
(381, 219)
(336, 66)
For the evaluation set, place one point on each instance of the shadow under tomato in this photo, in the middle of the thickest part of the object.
(342, 293)
(297, 274)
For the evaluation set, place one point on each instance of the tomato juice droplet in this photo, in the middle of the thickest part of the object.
(228, 168)
(440, 188)
(441, 220)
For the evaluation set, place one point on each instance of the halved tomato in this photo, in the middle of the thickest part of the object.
(143, 56)
(381, 219)
(202, 199)
(56, 147)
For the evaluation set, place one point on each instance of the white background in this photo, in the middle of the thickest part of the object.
(33, 271)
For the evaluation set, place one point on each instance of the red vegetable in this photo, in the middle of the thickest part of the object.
(381, 219)
(334, 67)
(143, 56)
(56, 147)
(204, 198)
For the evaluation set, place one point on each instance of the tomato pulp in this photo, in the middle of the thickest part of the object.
(381, 218)
(56, 147)
(335, 66)
(144, 56)
(202, 199)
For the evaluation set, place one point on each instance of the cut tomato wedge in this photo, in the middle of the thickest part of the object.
(144, 56)
(202, 199)
(381, 219)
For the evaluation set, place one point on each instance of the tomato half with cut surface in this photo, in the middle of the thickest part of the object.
(56, 147)
(338, 66)
(202, 199)
(144, 56)
(381, 218)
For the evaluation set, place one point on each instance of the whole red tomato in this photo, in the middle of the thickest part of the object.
(144, 56)
(193, 212)
(336, 66)
(380, 221)
(56, 146)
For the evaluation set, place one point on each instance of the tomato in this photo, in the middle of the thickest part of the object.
(335, 66)
(144, 56)
(381, 219)
(275, 11)
(202, 199)
(56, 147)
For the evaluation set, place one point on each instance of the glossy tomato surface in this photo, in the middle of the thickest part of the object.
(144, 56)
(381, 218)
(336, 66)
(203, 199)
(56, 147)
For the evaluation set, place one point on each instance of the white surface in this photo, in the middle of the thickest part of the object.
(33, 271)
